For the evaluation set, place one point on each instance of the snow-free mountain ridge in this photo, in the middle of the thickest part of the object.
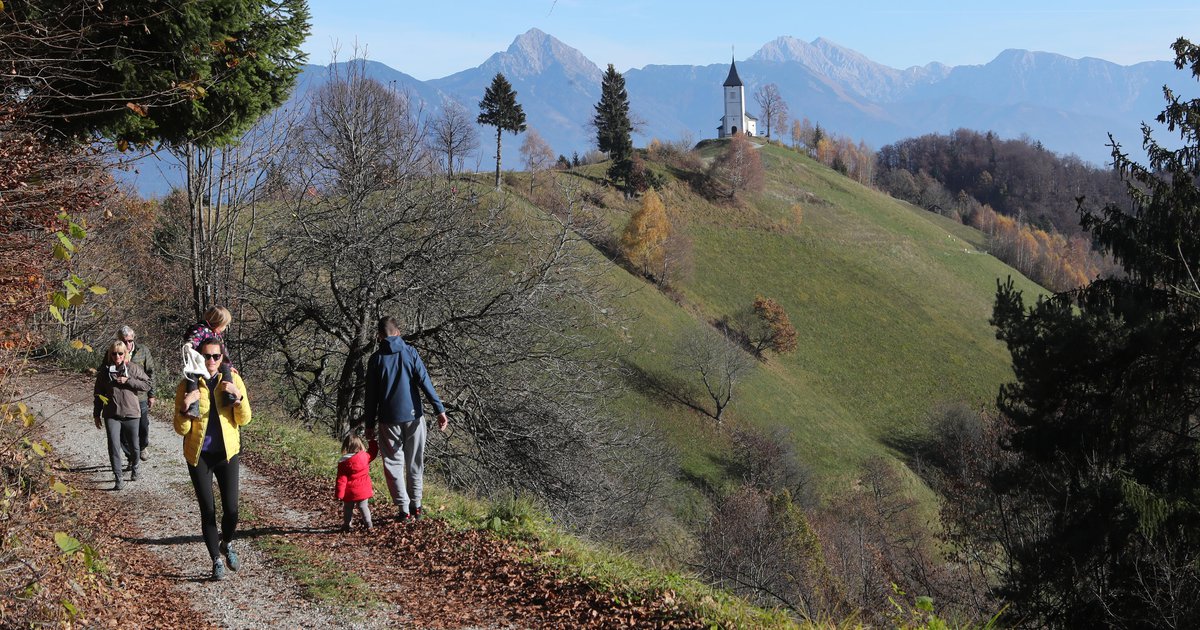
(1069, 105)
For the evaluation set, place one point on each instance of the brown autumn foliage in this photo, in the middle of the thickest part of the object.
(646, 233)
(739, 169)
(781, 335)
(766, 326)
(854, 160)
(41, 184)
(1055, 261)
(1015, 177)
(64, 557)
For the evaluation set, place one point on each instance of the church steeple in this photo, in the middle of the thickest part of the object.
(733, 80)
(735, 120)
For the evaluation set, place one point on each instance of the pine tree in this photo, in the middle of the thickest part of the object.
(613, 127)
(500, 109)
(1101, 492)
(202, 72)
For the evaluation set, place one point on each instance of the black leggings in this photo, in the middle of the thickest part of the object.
(202, 481)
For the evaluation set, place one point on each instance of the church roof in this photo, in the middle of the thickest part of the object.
(732, 80)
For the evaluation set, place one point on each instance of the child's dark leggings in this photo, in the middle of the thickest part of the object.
(226, 473)
(348, 512)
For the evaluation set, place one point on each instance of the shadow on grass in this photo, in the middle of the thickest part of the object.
(910, 445)
(665, 389)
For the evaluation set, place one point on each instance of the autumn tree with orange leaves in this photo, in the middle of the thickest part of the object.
(646, 233)
(766, 326)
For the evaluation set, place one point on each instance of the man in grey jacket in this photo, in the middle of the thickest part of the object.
(396, 378)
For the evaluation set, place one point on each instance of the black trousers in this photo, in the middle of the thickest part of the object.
(226, 473)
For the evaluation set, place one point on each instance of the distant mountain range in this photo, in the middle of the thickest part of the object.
(1069, 105)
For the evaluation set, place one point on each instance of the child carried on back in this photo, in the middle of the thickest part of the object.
(354, 478)
(216, 320)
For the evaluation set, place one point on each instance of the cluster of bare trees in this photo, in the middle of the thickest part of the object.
(859, 554)
(855, 160)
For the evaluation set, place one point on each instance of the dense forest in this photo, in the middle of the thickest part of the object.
(1027, 199)
(1016, 178)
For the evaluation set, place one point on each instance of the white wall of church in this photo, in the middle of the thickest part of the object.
(735, 111)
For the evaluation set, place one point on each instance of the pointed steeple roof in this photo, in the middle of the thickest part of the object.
(733, 80)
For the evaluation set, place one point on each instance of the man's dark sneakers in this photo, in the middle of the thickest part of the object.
(231, 557)
(218, 570)
(118, 485)
(417, 513)
(133, 475)
(403, 517)
(145, 455)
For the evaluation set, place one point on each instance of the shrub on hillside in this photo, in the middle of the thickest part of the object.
(761, 546)
(737, 170)
(769, 461)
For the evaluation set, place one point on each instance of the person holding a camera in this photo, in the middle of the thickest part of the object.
(118, 383)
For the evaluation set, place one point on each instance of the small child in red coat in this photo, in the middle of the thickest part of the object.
(354, 479)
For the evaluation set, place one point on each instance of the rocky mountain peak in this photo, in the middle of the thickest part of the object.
(534, 52)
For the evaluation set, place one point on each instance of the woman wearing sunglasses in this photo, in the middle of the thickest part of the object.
(211, 442)
(116, 407)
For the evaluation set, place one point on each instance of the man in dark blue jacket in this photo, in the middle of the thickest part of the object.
(396, 376)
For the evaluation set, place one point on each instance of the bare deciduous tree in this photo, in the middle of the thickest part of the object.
(500, 304)
(739, 168)
(717, 362)
(224, 187)
(453, 136)
(762, 546)
(538, 155)
(771, 105)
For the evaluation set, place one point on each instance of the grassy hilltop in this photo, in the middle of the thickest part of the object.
(890, 302)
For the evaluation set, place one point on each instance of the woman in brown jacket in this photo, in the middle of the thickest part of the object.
(118, 382)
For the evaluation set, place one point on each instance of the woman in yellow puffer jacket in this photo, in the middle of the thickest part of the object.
(211, 444)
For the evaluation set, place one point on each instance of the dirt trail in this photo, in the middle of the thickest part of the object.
(161, 513)
(423, 575)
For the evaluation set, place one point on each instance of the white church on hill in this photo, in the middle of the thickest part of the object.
(736, 119)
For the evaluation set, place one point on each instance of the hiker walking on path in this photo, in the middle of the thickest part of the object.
(118, 385)
(140, 355)
(211, 442)
(396, 376)
(216, 320)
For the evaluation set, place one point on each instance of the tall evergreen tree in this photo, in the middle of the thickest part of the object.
(203, 71)
(500, 109)
(613, 127)
(1101, 497)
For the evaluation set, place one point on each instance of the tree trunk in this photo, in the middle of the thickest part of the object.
(498, 132)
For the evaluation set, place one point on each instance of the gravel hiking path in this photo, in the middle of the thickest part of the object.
(423, 575)
(160, 514)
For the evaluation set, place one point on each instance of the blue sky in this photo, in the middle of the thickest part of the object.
(433, 39)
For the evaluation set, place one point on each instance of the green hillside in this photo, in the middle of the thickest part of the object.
(891, 304)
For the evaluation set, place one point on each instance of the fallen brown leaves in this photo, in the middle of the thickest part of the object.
(89, 576)
(439, 577)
